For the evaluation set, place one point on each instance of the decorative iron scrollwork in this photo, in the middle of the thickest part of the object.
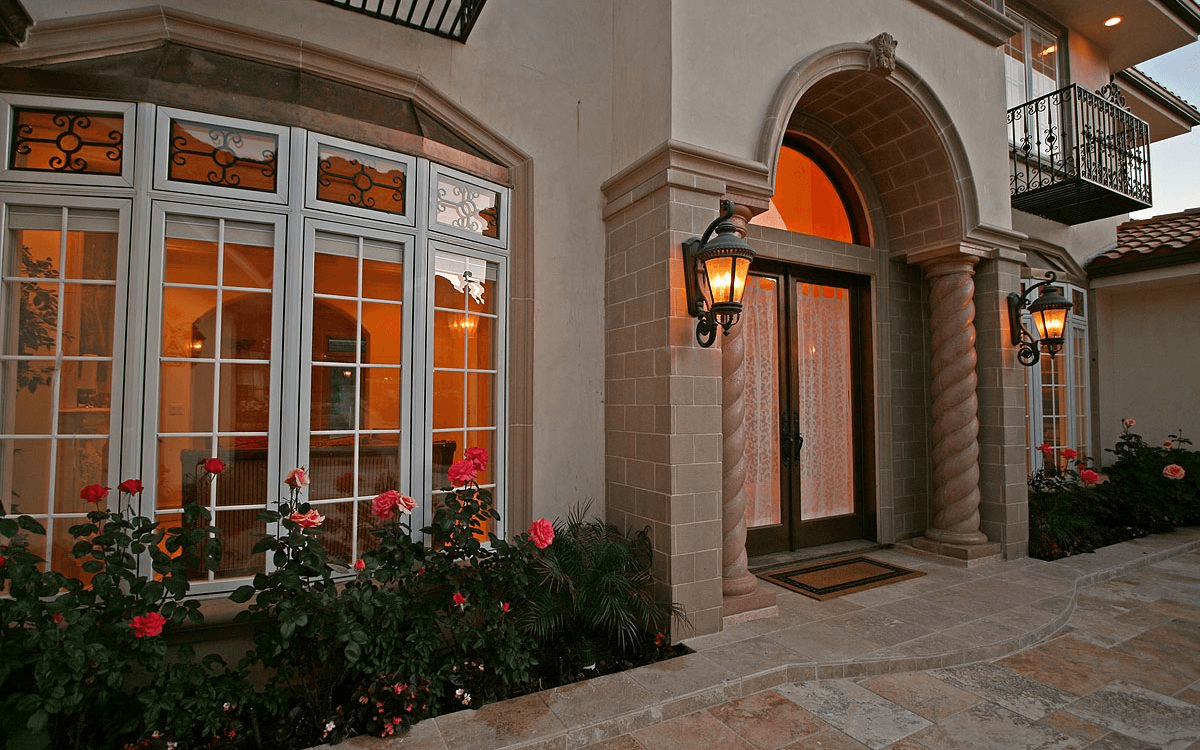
(361, 182)
(468, 208)
(72, 138)
(223, 151)
(1112, 93)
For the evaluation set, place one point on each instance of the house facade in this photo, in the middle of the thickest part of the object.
(291, 233)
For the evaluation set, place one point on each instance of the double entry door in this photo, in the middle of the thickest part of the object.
(807, 394)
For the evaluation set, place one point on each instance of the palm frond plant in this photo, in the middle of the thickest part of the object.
(594, 587)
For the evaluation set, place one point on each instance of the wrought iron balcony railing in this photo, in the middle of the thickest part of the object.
(1078, 156)
(452, 19)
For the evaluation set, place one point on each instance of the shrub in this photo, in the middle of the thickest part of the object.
(1147, 489)
(594, 586)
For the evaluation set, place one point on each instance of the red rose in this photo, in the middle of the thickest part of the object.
(462, 472)
(214, 465)
(1168, 444)
(57, 617)
(459, 599)
(1087, 476)
(504, 607)
(542, 533)
(131, 487)
(1174, 471)
(307, 520)
(148, 625)
(1069, 453)
(359, 564)
(93, 493)
(3, 561)
(477, 456)
(1045, 448)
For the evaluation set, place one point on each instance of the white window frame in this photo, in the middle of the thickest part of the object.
(295, 215)
(117, 373)
(316, 140)
(126, 110)
(162, 158)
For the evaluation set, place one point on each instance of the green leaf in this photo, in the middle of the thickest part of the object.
(31, 525)
(242, 594)
(8, 527)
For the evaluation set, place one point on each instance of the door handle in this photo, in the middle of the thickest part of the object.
(785, 437)
(797, 438)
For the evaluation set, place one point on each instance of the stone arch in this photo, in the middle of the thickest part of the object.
(164, 56)
(901, 132)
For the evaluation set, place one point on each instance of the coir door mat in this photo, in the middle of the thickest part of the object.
(829, 578)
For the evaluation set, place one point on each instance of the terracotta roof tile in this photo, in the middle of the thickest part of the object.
(1157, 241)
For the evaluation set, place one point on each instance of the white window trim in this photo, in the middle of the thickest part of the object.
(125, 110)
(408, 218)
(162, 162)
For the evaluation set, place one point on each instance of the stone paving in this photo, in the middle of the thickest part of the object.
(1097, 651)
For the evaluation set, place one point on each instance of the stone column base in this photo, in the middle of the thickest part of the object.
(963, 555)
(756, 605)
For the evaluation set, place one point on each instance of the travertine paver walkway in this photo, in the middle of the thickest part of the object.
(1097, 651)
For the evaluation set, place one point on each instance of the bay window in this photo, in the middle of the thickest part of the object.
(267, 295)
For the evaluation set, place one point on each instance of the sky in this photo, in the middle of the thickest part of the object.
(1175, 162)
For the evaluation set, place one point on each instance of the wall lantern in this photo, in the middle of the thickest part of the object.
(714, 276)
(1049, 313)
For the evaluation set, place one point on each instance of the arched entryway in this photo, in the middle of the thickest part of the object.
(910, 430)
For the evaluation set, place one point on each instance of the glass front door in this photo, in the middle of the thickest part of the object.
(807, 397)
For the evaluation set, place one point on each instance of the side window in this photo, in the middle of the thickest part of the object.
(810, 198)
(1058, 390)
(1030, 62)
(467, 326)
(61, 282)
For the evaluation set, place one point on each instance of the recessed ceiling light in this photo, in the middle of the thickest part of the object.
(1113, 21)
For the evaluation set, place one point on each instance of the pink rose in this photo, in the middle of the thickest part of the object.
(214, 465)
(1069, 453)
(1088, 476)
(307, 520)
(477, 456)
(94, 493)
(359, 564)
(1174, 471)
(147, 625)
(131, 487)
(459, 599)
(1128, 422)
(1045, 448)
(462, 472)
(385, 505)
(542, 533)
(297, 478)
(1168, 444)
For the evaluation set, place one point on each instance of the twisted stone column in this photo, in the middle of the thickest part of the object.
(955, 404)
(737, 579)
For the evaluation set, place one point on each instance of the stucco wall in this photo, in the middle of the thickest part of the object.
(740, 54)
(1148, 344)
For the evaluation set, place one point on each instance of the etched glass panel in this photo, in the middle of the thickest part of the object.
(67, 141)
(209, 154)
(761, 399)
(362, 181)
(467, 207)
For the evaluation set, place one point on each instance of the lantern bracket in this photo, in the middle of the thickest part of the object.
(709, 317)
(1028, 349)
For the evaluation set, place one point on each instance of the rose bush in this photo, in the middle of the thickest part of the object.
(1146, 489)
(86, 651)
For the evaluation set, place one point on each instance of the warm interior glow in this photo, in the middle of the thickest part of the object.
(806, 200)
(1113, 21)
(720, 273)
(1049, 50)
